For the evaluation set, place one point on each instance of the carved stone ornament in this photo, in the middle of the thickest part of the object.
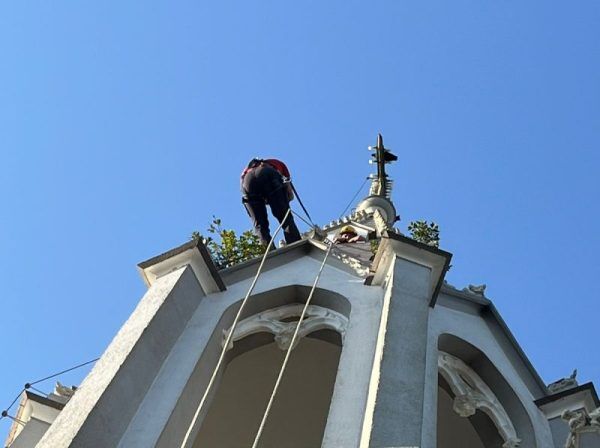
(63, 391)
(580, 422)
(361, 268)
(381, 225)
(472, 394)
(564, 383)
(476, 289)
(273, 321)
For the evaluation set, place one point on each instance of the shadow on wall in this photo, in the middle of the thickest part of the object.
(487, 371)
(251, 367)
(299, 413)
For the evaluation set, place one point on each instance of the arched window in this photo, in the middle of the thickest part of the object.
(299, 413)
(470, 395)
(477, 407)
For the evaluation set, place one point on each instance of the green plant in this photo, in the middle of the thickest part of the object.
(374, 246)
(424, 232)
(226, 247)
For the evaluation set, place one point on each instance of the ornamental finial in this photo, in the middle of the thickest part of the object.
(380, 184)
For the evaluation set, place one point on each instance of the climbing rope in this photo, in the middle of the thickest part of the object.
(312, 224)
(298, 325)
(299, 216)
(7, 410)
(60, 373)
(230, 333)
(354, 197)
(289, 350)
(296, 330)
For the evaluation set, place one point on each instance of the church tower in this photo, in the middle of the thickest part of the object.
(385, 354)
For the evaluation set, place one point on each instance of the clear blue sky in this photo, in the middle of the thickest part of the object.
(124, 126)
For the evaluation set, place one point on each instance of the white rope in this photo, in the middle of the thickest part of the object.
(289, 350)
(230, 335)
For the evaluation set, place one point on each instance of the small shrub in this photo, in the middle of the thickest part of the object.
(227, 248)
(424, 232)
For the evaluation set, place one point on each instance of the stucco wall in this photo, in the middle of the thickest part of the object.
(560, 432)
(173, 397)
(473, 328)
(31, 434)
(99, 412)
(148, 383)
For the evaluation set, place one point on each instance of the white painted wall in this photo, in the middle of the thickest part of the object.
(473, 329)
(162, 407)
(31, 434)
(169, 401)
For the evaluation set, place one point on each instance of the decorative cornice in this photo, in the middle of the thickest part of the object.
(587, 388)
(357, 217)
(193, 254)
(394, 244)
(563, 384)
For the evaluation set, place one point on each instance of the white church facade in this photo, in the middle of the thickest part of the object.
(388, 355)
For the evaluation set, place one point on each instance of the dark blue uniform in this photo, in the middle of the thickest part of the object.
(261, 185)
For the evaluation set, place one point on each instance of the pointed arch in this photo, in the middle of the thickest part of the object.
(281, 323)
(476, 384)
(471, 393)
(264, 321)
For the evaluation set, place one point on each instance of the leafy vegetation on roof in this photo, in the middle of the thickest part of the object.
(425, 232)
(226, 247)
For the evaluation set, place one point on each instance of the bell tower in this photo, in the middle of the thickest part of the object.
(381, 352)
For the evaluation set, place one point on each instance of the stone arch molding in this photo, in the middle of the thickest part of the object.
(274, 321)
(471, 393)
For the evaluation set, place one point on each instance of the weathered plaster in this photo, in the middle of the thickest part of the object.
(398, 409)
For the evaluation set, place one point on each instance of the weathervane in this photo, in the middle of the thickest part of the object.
(381, 185)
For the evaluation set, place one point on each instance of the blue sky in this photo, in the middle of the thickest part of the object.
(124, 126)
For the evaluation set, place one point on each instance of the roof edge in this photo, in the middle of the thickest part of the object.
(487, 304)
(565, 393)
(271, 254)
(536, 376)
(205, 263)
(44, 400)
(438, 259)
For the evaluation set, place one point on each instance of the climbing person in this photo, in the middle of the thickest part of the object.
(268, 182)
(348, 235)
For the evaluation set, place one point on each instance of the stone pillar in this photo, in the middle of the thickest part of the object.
(398, 412)
(411, 274)
(108, 399)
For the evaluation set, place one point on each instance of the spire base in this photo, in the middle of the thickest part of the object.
(376, 202)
